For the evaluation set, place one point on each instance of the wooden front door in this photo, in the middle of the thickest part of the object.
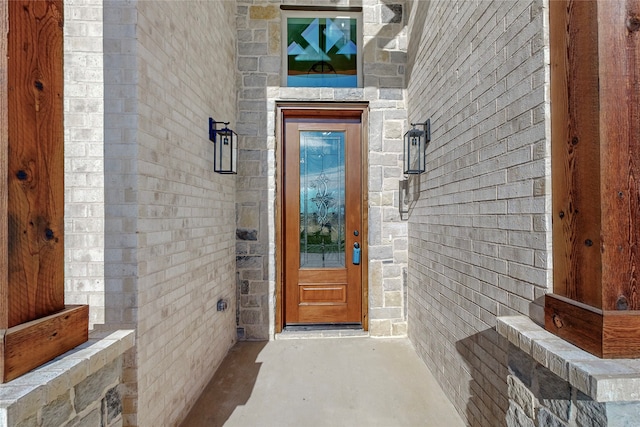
(322, 219)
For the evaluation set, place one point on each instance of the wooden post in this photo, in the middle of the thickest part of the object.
(36, 326)
(595, 85)
(4, 162)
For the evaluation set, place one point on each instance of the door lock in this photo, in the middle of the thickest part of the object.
(356, 253)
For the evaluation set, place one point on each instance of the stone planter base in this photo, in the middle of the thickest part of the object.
(553, 383)
(81, 387)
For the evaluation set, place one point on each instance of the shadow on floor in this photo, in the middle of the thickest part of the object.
(326, 382)
(230, 387)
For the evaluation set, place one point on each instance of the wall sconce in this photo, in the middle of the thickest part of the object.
(225, 157)
(415, 148)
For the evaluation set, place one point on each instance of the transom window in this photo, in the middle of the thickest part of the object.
(322, 49)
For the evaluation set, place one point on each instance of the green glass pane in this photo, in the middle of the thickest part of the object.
(322, 52)
(322, 202)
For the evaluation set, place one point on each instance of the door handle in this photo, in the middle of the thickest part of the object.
(356, 253)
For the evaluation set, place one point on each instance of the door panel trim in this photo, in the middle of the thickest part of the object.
(339, 276)
(342, 111)
(310, 294)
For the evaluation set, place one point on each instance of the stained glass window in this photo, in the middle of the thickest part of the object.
(322, 51)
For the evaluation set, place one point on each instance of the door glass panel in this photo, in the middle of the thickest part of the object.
(322, 204)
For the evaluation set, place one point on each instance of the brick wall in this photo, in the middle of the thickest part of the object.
(84, 159)
(479, 242)
(259, 64)
(120, 158)
(185, 211)
(120, 183)
(150, 227)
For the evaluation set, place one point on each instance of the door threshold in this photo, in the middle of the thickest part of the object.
(322, 326)
(322, 331)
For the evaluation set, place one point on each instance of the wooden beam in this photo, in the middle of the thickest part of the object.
(575, 151)
(31, 344)
(620, 337)
(619, 78)
(35, 326)
(577, 323)
(36, 160)
(606, 334)
(595, 82)
(4, 164)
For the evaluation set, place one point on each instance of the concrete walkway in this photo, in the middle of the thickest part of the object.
(332, 382)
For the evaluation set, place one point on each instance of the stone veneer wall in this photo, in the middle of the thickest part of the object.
(479, 229)
(259, 64)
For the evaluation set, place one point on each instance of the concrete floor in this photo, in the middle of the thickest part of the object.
(357, 381)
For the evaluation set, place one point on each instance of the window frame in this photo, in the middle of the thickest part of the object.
(312, 14)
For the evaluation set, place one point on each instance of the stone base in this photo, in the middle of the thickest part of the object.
(81, 387)
(539, 398)
(553, 383)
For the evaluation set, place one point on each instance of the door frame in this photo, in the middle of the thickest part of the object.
(314, 110)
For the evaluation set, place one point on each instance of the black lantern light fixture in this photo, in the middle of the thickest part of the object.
(224, 140)
(415, 147)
